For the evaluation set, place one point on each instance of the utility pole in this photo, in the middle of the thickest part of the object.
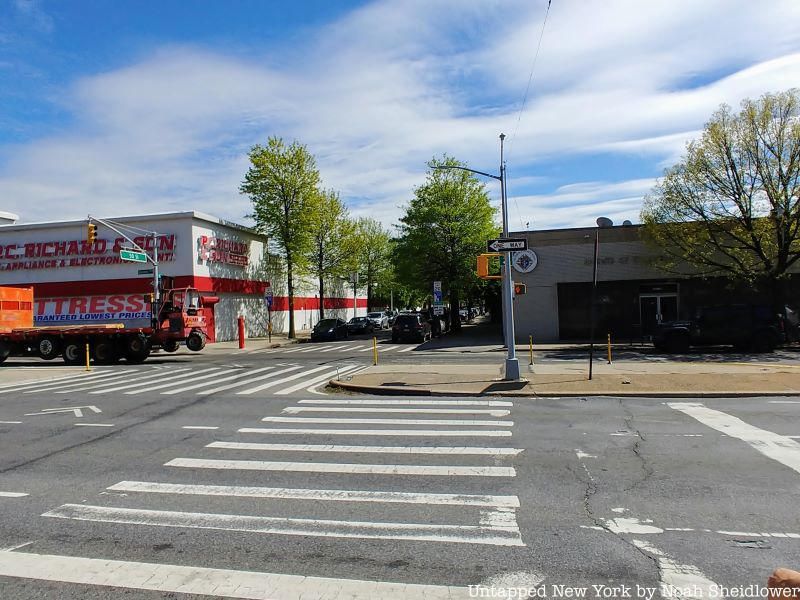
(512, 364)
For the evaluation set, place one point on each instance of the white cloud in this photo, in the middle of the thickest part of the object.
(396, 82)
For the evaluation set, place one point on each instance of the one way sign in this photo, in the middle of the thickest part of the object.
(506, 244)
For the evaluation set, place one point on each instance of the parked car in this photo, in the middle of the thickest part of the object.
(360, 325)
(412, 327)
(391, 316)
(329, 329)
(744, 326)
(379, 320)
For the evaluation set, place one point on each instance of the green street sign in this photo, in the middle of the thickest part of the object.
(133, 256)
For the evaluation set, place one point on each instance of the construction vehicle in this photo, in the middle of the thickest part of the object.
(180, 315)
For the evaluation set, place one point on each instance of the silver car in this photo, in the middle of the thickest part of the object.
(379, 320)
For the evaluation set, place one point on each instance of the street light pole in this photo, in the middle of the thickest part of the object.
(507, 287)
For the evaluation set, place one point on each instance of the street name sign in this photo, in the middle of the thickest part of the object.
(505, 244)
(133, 256)
(145, 271)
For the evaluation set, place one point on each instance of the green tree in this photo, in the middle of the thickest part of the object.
(332, 240)
(373, 253)
(282, 185)
(444, 228)
(730, 207)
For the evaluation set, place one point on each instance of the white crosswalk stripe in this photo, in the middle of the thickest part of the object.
(379, 432)
(181, 379)
(394, 402)
(338, 348)
(26, 384)
(239, 375)
(319, 379)
(386, 348)
(51, 385)
(247, 381)
(407, 349)
(353, 421)
(293, 410)
(366, 449)
(152, 375)
(276, 382)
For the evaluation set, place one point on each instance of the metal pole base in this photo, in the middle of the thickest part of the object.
(512, 370)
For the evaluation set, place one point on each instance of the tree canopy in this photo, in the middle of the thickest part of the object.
(731, 206)
(445, 226)
(282, 185)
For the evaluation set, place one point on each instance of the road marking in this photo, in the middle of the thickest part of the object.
(466, 450)
(192, 376)
(301, 349)
(581, 454)
(465, 534)
(396, 432)
(411, 402)
(369, 347)
(784, 402)
(292, 410)
(10, 422)
(346, 348)
(339, 347)
(313, 349)
(158, 375)
(93, 424)
(275, 382)
(318, 379)
(83, 385)
(677, 580)
(386, 348)
(337, 421)
(75, 410)
(239, 375)
(777, 447)
(41, 381)
(12, 495)
(198, 427)
(327, 495)
(352, 349)
(407, 349)
(359, 469)
(247, 381)
(48, 386)
(225, 583)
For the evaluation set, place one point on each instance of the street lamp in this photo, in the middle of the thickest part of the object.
(602, 222)
(512, 364)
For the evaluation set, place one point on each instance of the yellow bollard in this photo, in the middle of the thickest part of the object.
(87, 357)
(530, 344)
(609, 348)
(374, 351)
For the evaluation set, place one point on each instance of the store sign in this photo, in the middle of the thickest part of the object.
(218, 250)
(61, 254)
(73, 310)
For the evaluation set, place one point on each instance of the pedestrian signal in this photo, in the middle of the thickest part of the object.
(520, 289)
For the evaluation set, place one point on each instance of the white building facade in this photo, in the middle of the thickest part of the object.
(76, 281)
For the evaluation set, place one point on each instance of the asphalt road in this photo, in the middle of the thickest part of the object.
(346, 491)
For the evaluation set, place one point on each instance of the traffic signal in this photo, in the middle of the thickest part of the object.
(520, 289)
(482, 269)
(91, 232)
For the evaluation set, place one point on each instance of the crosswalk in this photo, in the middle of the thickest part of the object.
(280, 378)
(403, 493)
(341, 347)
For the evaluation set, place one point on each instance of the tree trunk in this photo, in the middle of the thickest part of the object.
(455, 316)
(290, 289)
(369, 295)
(321, 297)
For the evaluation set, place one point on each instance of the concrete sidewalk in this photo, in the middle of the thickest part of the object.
(671, 379)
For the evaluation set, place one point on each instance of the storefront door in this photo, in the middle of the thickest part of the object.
(655, 309)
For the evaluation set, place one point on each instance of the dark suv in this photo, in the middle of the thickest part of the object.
(744, 326)
(413, 327)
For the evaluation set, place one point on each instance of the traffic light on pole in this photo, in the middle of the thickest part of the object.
(482, 268)
(91, 233)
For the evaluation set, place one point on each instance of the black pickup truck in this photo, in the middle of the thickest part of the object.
(744, 326)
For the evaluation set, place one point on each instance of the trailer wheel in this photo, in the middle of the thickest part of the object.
(170, 346)
(196, 341)
(138, 349)
(73, 353)
(49, 347)
(105, 353)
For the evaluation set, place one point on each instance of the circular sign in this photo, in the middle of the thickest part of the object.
(525, 261)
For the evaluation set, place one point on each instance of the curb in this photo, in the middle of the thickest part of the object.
(411, 391)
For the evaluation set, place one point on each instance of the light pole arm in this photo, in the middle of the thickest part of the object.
(446, 168)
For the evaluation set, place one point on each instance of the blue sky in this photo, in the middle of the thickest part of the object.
(111, 107)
